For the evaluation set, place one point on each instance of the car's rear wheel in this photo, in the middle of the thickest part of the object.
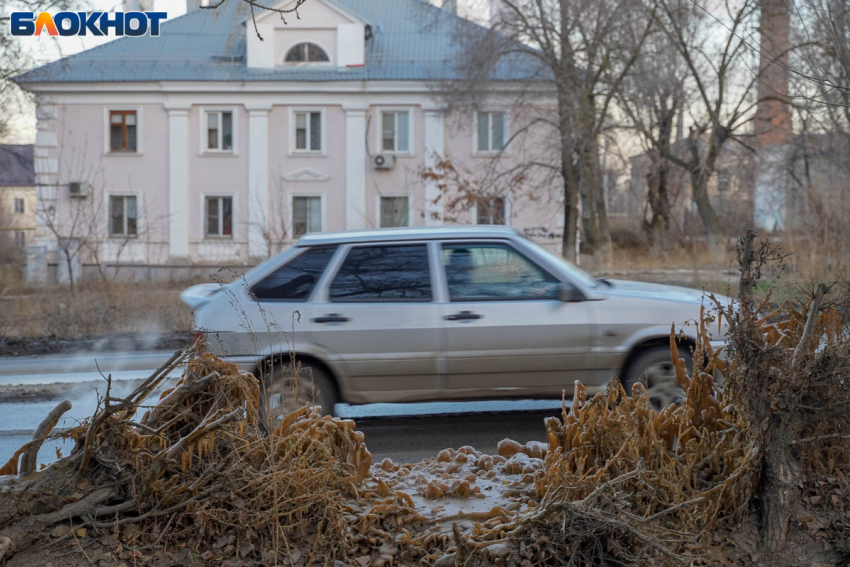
(654, 369)
(288, 387)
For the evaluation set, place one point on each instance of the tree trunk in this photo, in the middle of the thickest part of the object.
(571, 196)
(658, 229)
(69, 263)
(710, 220)
(778, 490)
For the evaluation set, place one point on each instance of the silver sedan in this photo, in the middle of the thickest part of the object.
(444, 313)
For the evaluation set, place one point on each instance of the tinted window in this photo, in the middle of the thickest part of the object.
(383, 273)
(295, 280)
(492, 272)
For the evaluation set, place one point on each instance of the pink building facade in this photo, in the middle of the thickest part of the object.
(223, 149)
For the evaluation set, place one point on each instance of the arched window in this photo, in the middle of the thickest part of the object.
(306, 53)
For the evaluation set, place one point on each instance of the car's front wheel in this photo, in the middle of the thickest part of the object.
(288, 387)
(654, 368)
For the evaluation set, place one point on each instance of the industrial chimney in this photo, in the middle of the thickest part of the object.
(773, 114)
(772, 121)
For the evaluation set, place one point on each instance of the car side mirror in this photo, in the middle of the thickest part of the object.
(569, 293)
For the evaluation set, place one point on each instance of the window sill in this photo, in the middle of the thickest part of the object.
(123, 237)
(123, 154)
(218, 153)
(213, 238)
(398, 154)
(309, 154)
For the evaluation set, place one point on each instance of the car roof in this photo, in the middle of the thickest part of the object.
(406, 233)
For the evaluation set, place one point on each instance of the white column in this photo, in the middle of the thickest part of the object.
(178, 182)
(434, 139)
(355, 168)
(258, 180)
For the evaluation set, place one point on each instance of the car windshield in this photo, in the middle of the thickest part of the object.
(575, 273)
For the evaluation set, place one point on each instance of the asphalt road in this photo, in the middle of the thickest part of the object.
(403, 432)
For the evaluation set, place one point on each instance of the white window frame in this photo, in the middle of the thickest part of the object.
(203, 217)
(202, 131)
(378, 216)
(380, 134)
(286, 51)
(140, 136)
(108, 211)
(507, 212)
(23, 203)
(20, 238)
(506, 133)
(293, 112)
(290, 229)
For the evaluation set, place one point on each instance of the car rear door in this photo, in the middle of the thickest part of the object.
(507, 333)
(378, 320)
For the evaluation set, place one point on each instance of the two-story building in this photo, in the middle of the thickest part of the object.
(230, 136)
(17, 199)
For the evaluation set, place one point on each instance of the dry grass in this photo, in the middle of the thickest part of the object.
(94, 310)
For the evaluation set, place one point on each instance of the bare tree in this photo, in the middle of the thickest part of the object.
(272, 219)
(463, 189)
(653, 99)
(720, 64)
(17, 56)
(575, 54)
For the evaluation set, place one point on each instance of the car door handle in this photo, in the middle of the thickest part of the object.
(332, 318)
(463, 316)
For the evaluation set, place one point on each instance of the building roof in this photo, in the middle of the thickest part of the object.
(407, 233)
(411, 40)
(17, 166)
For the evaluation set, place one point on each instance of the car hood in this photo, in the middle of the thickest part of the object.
(644, 290)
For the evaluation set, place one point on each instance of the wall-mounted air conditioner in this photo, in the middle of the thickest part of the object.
(78, 189)
(384, 161)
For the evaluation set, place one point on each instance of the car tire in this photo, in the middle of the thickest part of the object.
(654, 368)
(287, 388)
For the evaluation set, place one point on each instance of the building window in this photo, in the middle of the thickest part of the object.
(19, 205)
(394, 211)
(308, 131)
(306, 215)
(306, 53)
(492, 131)
(395, 131)
(219, 216)
(724, 180)
(122, 130)
(123, 216)
(491, 210)
(20, 238)
(220, 131)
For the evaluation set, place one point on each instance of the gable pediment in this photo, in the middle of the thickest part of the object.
(334, 29)
(306, 174)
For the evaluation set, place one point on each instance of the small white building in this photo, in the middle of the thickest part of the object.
(222, 141)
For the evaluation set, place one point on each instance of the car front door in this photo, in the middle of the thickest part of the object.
(379, 322)
(507, 332)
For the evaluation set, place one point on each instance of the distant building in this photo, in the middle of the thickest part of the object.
(209, 146)
(730, 190)
(17, 199)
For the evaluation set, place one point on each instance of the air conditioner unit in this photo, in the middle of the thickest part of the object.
(384, 161)
(78, 189)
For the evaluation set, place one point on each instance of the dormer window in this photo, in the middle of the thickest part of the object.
(306, 53)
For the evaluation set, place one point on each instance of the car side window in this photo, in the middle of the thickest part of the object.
(383, 273)
(295, 280)
(488, 272)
